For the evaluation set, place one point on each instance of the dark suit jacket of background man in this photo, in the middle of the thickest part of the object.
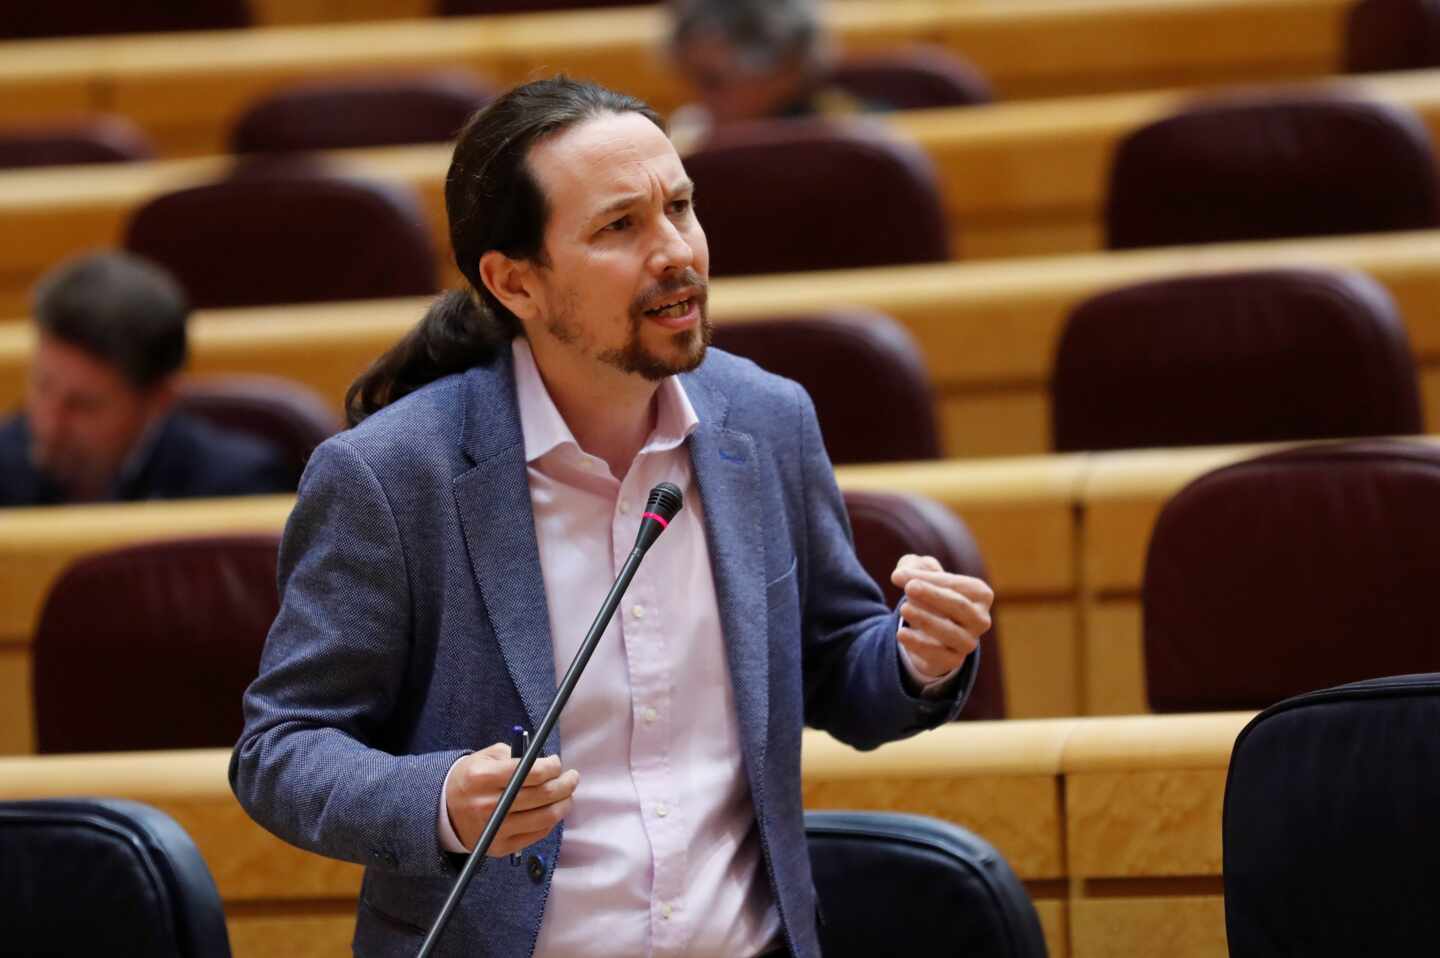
(188, 459)
(414, 628)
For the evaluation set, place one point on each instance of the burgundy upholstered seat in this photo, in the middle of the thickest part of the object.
(269, 237)
(97, 139)
(377, 111)
(889, 525)
(151, 646)
(915, 79)
(27, 19)
(1392, 35)
(1295, 571)
(1234, 357)
(1271, 167)
(779, 196)
(864, 373)
(283, 413)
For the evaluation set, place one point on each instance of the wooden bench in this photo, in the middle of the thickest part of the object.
(187, 89)
(988, 331)
(1019, 179)
(1113, 824)
(1021, 514)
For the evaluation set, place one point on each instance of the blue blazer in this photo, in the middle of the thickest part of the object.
(413, 628)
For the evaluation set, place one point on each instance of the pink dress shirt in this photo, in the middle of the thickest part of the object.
(661, 854)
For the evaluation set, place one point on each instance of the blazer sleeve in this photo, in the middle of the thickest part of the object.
(309, 765)
(854, 687)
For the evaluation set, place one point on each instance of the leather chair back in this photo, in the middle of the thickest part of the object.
(1330, 828)
(379, 111)
(31, 19)
(152, 646)
(915, 79)
(895, 884)
(887, 526)
(1269, 168)
(97, 139)
(780, 196)
(1234, 357)
(1383, 35)
(279, 411)
(84, 876)
(864, 373)
(1297, 570)
(280, 234)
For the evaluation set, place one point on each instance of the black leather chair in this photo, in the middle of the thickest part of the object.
(91, 876)
(1330, 832)
(894, 884)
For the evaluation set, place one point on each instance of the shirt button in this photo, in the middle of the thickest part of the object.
(665, 910)
(662, 809)
(638, 611)
(650, 715)
(624, 508)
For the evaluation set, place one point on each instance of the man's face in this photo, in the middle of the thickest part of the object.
(84, 416)
(625, 286)
(733, 91)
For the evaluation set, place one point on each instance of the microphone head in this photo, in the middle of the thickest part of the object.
(666, 500)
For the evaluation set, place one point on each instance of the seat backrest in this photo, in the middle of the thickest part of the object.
(1297, 570)
(1385, 35)
(82, 876)
(270, 237)
(152, 646)
(1271, 167)
(889, 525)
(28, 19)
(890, 418)
(1234, 357)
(779, 196)
(279, 411)
(915, 79)
(377, 111)
(97, 139)
(895, 884)
(1330, 829)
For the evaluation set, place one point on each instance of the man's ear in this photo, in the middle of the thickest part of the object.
(512, 282)
(159, 398)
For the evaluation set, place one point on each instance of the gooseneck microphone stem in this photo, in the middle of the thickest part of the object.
(656, 524)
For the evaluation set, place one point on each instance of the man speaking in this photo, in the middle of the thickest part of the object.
(445, 555)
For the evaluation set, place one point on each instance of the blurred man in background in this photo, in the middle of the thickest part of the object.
(99, 421)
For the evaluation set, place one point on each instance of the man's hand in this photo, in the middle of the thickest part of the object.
(943, 614)
(476, 783)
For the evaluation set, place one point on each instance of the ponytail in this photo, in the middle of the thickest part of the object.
(455, 334)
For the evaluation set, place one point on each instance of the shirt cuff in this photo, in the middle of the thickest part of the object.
(928, 687)
(448, 839)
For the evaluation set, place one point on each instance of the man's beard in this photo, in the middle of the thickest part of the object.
(633, 356)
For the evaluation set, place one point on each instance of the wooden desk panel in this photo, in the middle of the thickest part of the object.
(988, 331)
(1037, 48)
(1107, 881)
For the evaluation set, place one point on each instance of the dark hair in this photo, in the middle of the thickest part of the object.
(493, 203)
(119, 308)
(764, 33)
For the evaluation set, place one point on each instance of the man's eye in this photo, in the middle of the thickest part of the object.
(623, 223)
(680, 206)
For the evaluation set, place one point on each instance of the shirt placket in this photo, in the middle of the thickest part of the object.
(643, 631)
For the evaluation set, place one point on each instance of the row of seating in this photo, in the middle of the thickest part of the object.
(1025, 50)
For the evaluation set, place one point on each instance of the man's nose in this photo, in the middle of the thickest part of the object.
(673, 250)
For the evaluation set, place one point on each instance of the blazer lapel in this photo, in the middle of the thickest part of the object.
(493, 501)
(728, 475)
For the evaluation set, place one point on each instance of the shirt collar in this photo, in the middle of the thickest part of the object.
(544, 429)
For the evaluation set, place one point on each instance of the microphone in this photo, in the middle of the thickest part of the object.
(664, 503)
